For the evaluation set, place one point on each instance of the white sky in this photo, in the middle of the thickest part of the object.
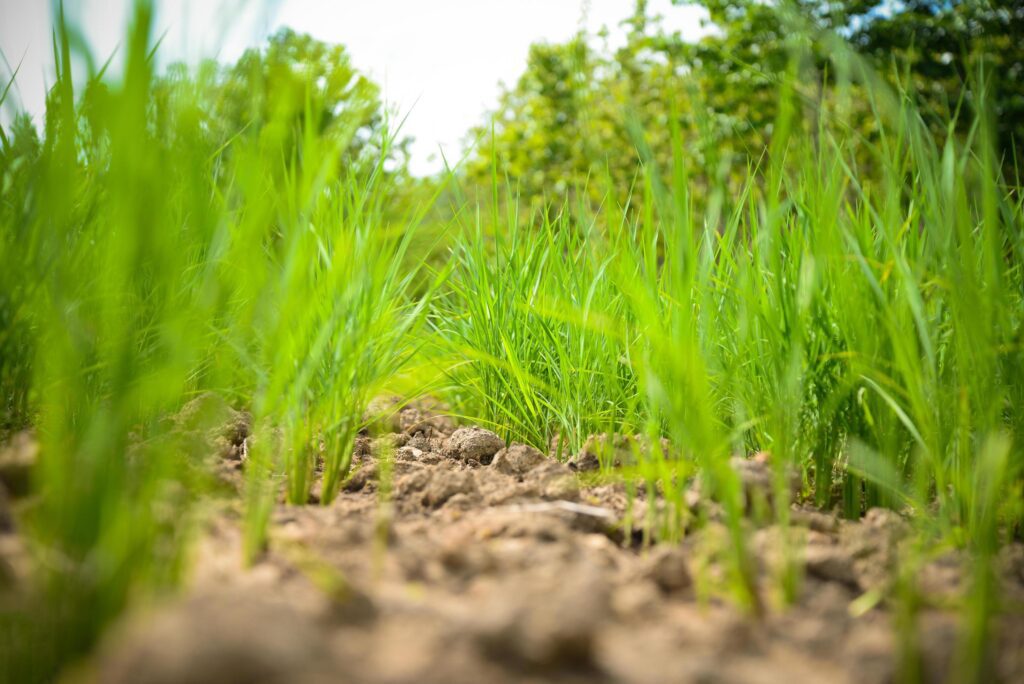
(440, 61)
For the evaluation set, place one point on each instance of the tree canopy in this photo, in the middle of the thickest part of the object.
(576, 114)
(269, 88)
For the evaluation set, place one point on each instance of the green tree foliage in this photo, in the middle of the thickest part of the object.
(940, 43)
(930, 48)
(570, 120)
(564, 129)
(547, 147)
(294, 88)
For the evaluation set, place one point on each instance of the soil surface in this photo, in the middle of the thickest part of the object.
(450, 557)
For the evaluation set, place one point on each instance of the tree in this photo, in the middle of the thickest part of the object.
(944, 43)
(931, 48)
(567, 129)
(294, 82)
(572, 119)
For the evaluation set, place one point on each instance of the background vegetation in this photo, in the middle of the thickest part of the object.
(567, 123)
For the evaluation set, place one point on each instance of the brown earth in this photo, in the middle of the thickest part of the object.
(470, 561)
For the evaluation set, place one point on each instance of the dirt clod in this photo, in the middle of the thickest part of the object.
(832, 563)
(556, 481)
(473, 444)
(364, 475)
(440, 489)
(408, 453)
(552, 624)
(517, 459)
(814, 520)
(218, 639)
(431, 488)
(668, 568)
(429, 445)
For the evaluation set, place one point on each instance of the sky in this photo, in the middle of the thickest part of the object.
(439, 62)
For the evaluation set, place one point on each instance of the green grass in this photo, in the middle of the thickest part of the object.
(852, 303)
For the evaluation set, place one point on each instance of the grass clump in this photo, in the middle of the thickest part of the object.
(529, 310)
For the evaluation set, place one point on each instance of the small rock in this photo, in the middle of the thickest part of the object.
(517, 459)
(473, 444)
